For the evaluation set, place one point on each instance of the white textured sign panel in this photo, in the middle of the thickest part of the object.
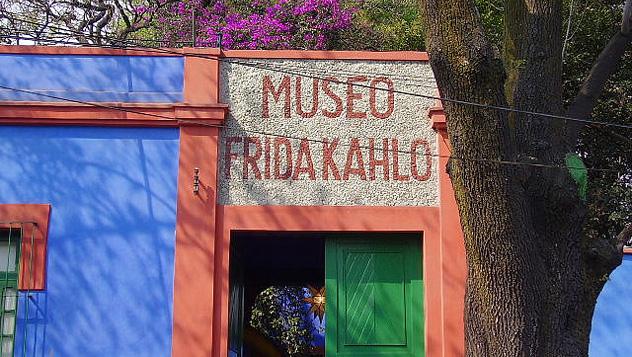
(327, 132)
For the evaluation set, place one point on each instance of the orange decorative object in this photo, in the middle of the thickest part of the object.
(316, 302)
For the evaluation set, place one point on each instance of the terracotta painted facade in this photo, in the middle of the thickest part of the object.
(223, 123)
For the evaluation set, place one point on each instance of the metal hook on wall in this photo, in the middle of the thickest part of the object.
(196, 180)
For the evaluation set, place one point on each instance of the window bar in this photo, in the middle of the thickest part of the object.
(9, 289)
(28, 291)
(4, 292)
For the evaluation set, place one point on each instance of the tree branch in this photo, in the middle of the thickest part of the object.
(593, 85)
(604, 254)
(626, 22)
(124, 16)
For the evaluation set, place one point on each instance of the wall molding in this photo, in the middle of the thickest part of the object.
(111, 114)
(33, 219)
(215, 52)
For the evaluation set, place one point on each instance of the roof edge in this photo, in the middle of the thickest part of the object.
(409, 56)
(328, 55)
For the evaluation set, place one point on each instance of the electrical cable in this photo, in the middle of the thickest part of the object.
(442, 99)
(266, 67)
(192, 121)
(263, 66)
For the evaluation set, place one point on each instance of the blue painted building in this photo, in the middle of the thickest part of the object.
(114, 194)
(110, 271)
(111, 240)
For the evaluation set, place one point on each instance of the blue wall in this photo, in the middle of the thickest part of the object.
(93, 78)
(111, 243)
(612, 323)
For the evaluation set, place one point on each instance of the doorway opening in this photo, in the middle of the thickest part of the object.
(273, 278)
(315, 293)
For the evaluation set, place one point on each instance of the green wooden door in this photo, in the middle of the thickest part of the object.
(374, 297)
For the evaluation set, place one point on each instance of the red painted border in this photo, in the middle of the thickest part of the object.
(201, 80)
(40, 214)
(453, 267)
(108, 114)
(627, 250)
(328, 55)
(270, 54)
(195, 231)
(193, 307)
(203, 239)
(425, 220)
(437, 117)
(86, 51)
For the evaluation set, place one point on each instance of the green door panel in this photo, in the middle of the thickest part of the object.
(374, 297)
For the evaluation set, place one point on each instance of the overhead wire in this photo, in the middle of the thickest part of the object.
(263, 133)
(279, 69)
(251, 131)
(361, 85)
(266, 66)
(271, 67)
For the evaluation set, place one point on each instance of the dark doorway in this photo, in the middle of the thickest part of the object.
(374, 294)
(275, 268)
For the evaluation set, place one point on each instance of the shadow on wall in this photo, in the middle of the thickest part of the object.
(93, 78)
(111, 242)
(254, 192)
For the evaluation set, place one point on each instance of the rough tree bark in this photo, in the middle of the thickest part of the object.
(532, 279)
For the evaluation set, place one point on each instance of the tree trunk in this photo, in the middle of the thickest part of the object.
(532, 280)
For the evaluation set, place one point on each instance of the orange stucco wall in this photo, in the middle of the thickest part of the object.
(444, 258)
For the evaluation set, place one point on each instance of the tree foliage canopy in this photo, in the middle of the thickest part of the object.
(279, 313)
(256, 24)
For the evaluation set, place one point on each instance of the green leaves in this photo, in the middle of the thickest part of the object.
(279, 313)
(609, 196)
(384, 25)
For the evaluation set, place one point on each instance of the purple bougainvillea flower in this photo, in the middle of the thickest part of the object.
(265, 24)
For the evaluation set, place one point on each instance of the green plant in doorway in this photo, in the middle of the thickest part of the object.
(279, 313)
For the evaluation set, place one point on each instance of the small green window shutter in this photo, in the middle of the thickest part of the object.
(374, 297)
(9, 269)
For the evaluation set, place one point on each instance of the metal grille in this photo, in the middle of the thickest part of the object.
(13, 236)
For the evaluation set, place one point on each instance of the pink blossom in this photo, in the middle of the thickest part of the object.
(267, 24)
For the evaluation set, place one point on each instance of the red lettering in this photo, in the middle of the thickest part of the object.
(229, 155)
(390, 105)
(328, 159)
(268, 88)
(354, 150)
(299, 99)
(331, 94)
(277, 158)
(251, 160)
(374, 162)
(304, 151)
(413, 160)
(266, 156)
(396, 175)
(352, 96)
